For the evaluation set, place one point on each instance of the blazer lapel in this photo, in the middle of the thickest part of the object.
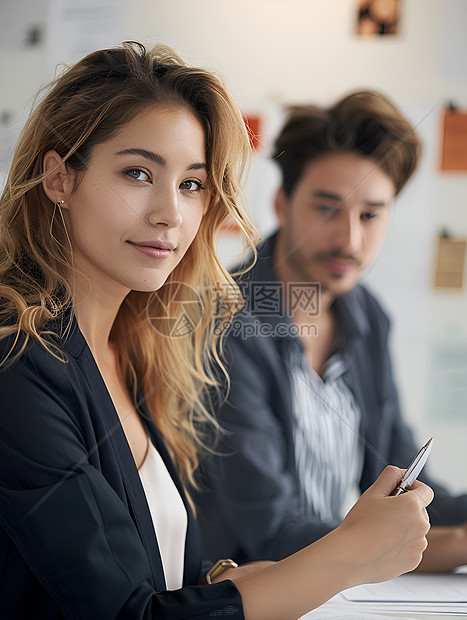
(130, 479)
(133, 486)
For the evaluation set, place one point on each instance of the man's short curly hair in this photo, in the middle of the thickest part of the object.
(364, 121)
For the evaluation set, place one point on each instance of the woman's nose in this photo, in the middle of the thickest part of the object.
(165, 210)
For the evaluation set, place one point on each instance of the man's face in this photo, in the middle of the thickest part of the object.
(335, 221)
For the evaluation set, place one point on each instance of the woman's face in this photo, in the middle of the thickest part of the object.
(139, 205)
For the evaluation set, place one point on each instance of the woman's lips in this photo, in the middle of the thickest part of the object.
(153, 251)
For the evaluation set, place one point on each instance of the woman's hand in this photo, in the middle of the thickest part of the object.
(447, 549)
(384, 536)
(381, 537)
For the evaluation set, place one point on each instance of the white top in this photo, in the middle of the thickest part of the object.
(168, 514)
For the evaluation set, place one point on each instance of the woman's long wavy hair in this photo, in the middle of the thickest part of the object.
(84, 107)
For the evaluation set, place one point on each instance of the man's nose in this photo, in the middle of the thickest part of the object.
(348, 235)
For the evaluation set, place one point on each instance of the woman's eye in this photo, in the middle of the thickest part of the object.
(136, 173)
(368, 216)
(191, 186)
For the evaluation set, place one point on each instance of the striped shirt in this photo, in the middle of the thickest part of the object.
(328, 453)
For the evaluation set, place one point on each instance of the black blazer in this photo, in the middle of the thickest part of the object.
(76, 535)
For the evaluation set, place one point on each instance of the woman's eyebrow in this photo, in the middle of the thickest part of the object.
(154, 157)
(158, 159)
(199, 166)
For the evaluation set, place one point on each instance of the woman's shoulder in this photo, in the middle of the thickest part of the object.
(44, 395)
(29, 366)
(45, 422)
(58, 342)
(18, 349)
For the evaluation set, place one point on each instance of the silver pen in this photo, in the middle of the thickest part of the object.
(414, 469)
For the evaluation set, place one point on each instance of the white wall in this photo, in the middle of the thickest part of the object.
(275, 52)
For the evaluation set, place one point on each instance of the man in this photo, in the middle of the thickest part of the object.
(312, 409)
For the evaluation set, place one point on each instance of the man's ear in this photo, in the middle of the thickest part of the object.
(58, 183)
(281, 206)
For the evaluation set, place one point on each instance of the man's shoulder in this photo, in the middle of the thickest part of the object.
(369, 299)
(250, 330)
(362, 301)
(253, 336)
(256, 266)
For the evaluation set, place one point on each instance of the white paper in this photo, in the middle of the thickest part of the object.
(417, 609)
(452, 46)
(341, 614)
(427, 588)
(77, 27)
(448, 380)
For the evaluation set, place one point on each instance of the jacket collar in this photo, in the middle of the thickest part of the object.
(65, 333)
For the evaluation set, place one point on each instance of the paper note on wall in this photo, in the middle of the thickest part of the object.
(454, 141)
(450, 262)
(78, 27)
(447, 395)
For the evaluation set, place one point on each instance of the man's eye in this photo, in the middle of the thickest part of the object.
(191, 186)
(324, 209)
(136, 173)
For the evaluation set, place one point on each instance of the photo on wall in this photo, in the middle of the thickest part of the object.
(378, 17)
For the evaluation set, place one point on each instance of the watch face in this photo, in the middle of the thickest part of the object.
(218, 568)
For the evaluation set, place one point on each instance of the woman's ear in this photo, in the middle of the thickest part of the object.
(58, 183)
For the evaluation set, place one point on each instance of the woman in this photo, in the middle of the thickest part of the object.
(123, 175)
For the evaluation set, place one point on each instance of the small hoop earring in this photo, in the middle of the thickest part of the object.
(59, 203)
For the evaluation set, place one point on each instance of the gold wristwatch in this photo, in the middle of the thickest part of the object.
(219, 567)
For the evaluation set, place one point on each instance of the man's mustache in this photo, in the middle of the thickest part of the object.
(336, 254)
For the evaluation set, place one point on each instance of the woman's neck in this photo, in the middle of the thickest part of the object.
(95, 314)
